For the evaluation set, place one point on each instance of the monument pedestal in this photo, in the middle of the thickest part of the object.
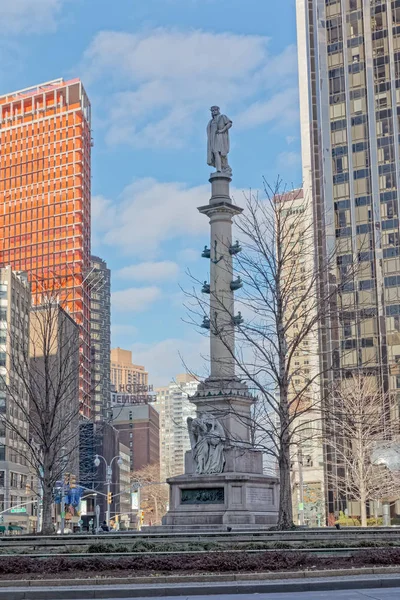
(241, 495)
(222, 499)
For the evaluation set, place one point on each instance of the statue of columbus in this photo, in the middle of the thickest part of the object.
(218, 141)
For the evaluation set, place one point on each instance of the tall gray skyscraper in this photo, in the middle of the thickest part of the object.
(100, 333)
(349, 61)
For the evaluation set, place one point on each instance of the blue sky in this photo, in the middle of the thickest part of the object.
(152, 69)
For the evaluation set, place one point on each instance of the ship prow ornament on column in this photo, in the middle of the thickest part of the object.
(224, 483)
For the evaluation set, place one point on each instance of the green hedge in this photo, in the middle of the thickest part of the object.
(344, 521)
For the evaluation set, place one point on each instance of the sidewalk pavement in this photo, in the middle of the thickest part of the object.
(201, 588)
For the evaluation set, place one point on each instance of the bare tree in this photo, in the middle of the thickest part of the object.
(369, 423)
(282, 303)
(153, 493)
(42, 387)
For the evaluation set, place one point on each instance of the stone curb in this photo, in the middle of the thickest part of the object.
(227, 584)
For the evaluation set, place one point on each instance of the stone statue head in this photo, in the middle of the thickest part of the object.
(214, 110)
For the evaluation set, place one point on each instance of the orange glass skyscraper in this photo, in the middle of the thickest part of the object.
(45, 147)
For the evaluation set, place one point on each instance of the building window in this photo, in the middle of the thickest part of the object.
(393, 239)
(347, 330)
(2, 452)
(366, 284)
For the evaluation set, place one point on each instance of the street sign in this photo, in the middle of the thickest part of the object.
(135, 500)
(18, 509)
(301, 506)
(80, 522)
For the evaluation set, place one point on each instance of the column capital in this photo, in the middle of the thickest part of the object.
(220, 208)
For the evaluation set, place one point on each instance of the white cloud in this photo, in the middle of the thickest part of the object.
(135, 299)
(163, 82)
(167, 358)
(189, 255)
(281, 107)
(150, 271)
(178, 54)
(29, 16)
(287, 160)
(164, 211)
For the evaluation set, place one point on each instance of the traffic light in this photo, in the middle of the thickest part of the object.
(72, 481)
(141, 517)
(66, 478)
(109, 498)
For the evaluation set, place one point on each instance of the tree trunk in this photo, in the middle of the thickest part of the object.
(47, 497)
(363, 503)
(47, 527)
(363, 476)
(285, 516)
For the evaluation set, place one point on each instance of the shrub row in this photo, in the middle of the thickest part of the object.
(383, 557)
(144, 546)
(216, 562)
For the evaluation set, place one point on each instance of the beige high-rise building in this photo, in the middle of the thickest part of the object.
(349, 73)
(308, 477)
(174, 408)
(125, 376)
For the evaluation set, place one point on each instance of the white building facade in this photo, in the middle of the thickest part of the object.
(174, 407)
(15, 476)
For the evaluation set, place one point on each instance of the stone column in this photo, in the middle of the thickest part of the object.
(222, 338)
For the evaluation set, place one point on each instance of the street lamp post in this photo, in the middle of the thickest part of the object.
(108, 479)
(301, 485)
(64, 460)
